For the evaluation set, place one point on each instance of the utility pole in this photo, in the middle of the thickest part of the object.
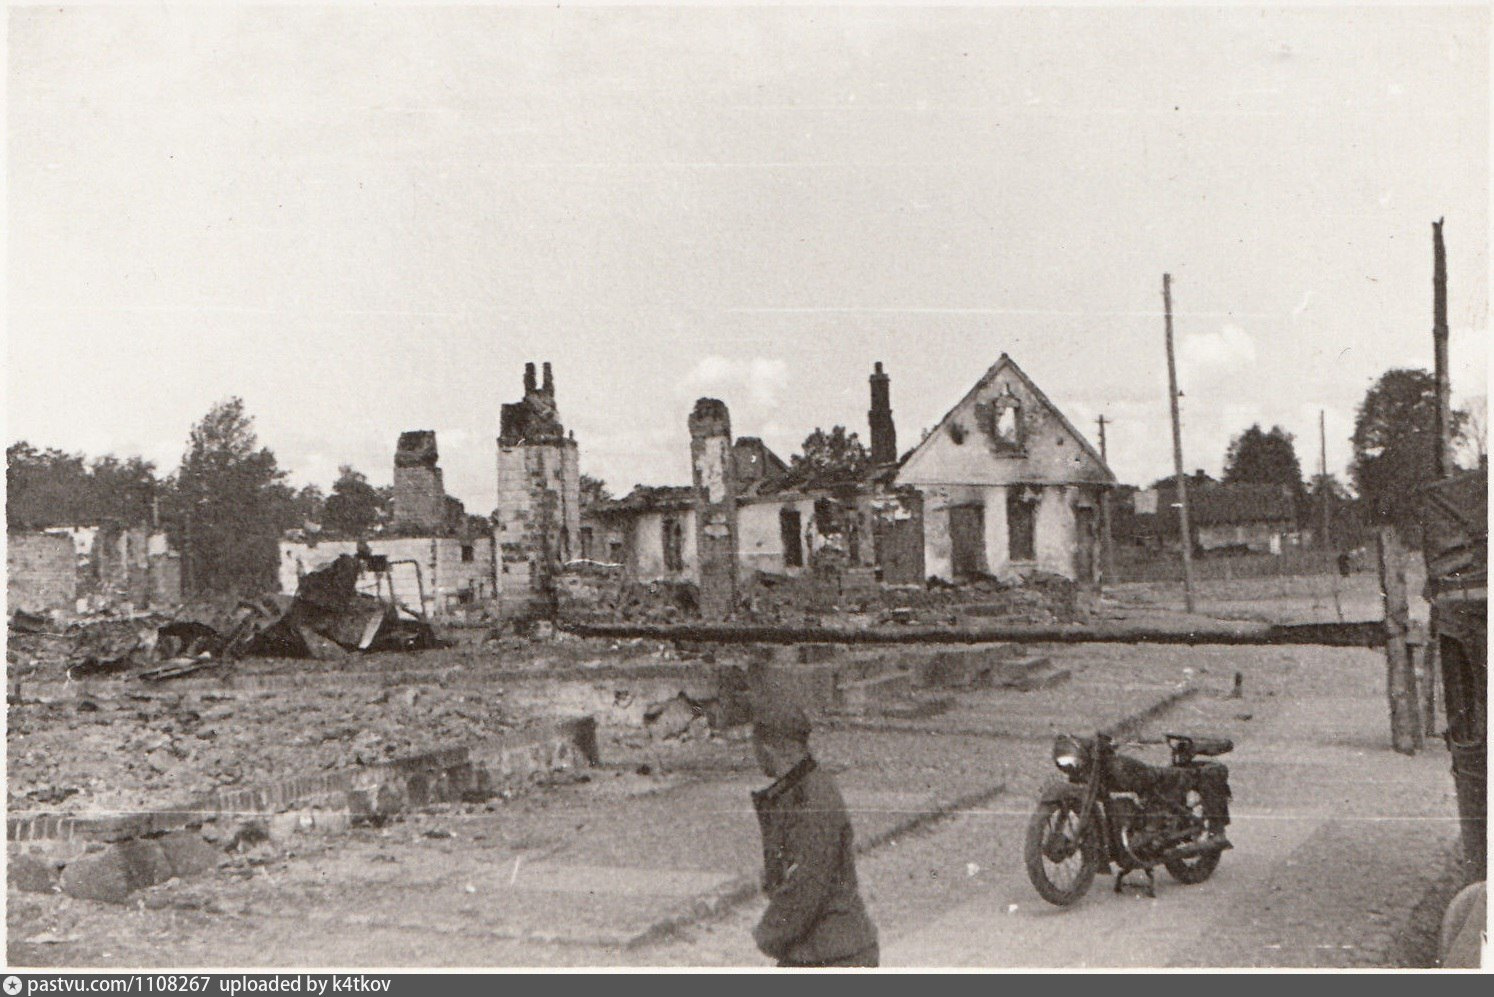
(1105, 537)
(1177, 448)
(1325, 496)
(1439, 346)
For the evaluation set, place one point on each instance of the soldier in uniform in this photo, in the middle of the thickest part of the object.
(815, 917)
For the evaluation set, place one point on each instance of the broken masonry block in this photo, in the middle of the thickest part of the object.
(876, 691)
(187, 853)
(29, 873)
(116, 872)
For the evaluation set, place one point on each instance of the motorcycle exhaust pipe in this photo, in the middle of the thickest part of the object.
(1192, 850)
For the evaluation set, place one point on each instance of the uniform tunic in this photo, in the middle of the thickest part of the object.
(815, 916)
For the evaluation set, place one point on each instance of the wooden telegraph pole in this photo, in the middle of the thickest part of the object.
(1439, 348)
(1106, 539)
(1177, 448)
(1325, 496)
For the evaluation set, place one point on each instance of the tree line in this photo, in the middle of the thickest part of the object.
(225, 508)
(1394, 454)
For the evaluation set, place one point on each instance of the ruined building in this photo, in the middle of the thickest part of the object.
(107, 566)
(1003, 486)
(1008, 485)
(439, 565)
(440, 562)
(421, 504)
(538, 515)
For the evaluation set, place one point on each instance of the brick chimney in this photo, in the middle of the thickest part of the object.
(883, 432)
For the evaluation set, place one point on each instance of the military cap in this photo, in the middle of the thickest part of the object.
(774, 718)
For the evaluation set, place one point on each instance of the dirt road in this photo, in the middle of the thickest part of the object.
(1336, 839)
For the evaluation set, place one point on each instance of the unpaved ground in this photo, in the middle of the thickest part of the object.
(1337, 839)
(1321, 598)
(599, 862)
(126, 744)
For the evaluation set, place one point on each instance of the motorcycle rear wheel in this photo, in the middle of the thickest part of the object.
(1192, 871)
(1060, 881)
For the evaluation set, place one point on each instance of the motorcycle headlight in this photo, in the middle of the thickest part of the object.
(1068, 754)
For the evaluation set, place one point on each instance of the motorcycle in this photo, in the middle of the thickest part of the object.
(1114, 810)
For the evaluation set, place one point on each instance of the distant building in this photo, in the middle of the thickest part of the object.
(1004, 485)
(1009, 486)
(1240, 517)
(1257, 518)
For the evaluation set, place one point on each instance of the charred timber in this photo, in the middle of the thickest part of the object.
(1361, 634)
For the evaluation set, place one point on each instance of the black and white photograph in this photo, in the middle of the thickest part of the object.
(743, 489)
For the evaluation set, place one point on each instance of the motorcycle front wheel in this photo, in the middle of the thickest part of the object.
(1192, 871)
(1060, 866)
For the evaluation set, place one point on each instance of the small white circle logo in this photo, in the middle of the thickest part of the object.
(12, 985)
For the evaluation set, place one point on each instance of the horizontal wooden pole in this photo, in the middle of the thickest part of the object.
(1369, 633)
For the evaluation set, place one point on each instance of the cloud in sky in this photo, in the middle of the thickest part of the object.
(758, 380)
(1212, 356)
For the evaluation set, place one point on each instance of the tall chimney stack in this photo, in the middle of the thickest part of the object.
(529, 379)
(548, 387)
(883, 432)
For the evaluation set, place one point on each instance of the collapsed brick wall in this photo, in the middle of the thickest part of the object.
(537, 523)
(120, 574)
(165, 579)
(41, 572)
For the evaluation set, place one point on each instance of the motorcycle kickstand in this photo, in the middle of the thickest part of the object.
(1150, 889)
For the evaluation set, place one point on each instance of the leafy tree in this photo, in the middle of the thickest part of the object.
(1395, 447)
(1257, 457)
(1345, 522)
(309, 505)
(834, 456)
(353, 507)
(48, 488)
(593, 491)
(44, 487)
(229, 505)
(122, 490)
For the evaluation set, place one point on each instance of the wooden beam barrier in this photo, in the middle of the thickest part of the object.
(1371, 633)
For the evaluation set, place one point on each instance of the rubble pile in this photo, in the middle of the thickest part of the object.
(40, 646)
(158, 747)
(772, 598)
(588, 590)
(658, 602)
(816, 598)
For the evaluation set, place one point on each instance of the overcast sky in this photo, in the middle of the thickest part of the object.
(365, 220)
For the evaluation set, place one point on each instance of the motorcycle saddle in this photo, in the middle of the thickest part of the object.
(1203, 745)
